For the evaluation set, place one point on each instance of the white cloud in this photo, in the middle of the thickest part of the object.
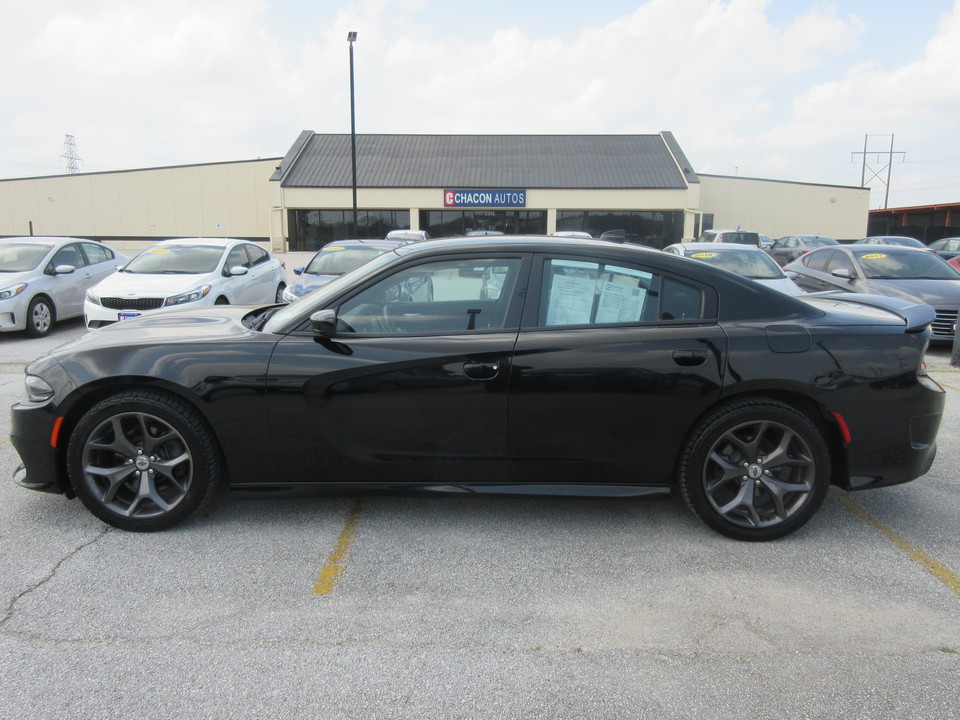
(169, 81)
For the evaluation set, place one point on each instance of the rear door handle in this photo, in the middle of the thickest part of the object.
(689, 358)
(481, 370)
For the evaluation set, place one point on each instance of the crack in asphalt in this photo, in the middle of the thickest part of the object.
(10, 610)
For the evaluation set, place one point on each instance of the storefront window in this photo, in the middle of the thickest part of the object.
(447, 223)
(312, 229)
(656, 228)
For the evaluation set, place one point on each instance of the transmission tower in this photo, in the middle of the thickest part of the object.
(876, 168)
(70, 154)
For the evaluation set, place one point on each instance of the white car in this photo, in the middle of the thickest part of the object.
(43, 279)
(189, 272)
(746, 260)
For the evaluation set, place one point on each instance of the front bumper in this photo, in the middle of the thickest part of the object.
(31, 434)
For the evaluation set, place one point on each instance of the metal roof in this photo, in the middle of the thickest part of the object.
(488, 161)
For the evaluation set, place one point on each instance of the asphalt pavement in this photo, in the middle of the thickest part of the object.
(406, 606)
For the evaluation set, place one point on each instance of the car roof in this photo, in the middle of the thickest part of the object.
(44, 239)
(715, 247)
(366, 242)
(218, 242)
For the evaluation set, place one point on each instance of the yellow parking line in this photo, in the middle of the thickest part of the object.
(337, 562)
(940, 571)
(948, 387)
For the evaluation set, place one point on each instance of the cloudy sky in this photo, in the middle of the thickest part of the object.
(784, 89)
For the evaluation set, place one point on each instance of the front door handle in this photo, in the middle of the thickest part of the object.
(481, 370)
(689, 358)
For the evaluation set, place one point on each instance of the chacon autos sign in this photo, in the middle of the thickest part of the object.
(484, 198)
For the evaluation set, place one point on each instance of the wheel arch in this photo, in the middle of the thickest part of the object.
(805, 405)
(81, 400)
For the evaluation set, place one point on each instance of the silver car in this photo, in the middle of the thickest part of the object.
(44, 279)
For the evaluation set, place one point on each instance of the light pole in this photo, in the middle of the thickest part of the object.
(351, 38)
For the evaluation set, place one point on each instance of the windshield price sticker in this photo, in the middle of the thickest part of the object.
(874, 256)
(703, 255)
(332, 248)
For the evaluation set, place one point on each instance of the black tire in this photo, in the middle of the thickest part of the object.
(40, 317)
(143, 460)
(755, 470)
(279, 296)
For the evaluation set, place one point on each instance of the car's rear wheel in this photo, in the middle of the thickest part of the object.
(143, 460)
(755, 470)
(40, 315)
(279, 296)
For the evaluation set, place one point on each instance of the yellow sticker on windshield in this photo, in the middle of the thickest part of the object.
(703, 255)
(329, 248)
(874, 256)
(158, 251)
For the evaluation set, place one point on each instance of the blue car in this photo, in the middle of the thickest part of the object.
(334, 260)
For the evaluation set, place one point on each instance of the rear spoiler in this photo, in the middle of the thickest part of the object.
(917, 316)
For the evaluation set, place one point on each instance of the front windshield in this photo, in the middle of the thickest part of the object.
(20, 257)
(318, 299)
(906, 266)
(176, 260)
(754, 265)
(339, 259)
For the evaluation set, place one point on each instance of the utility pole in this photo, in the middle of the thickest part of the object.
(70, 155)
(876, 169)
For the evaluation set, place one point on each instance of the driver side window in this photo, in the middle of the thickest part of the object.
(453, 296)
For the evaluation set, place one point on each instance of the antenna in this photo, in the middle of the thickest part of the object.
(70, 154)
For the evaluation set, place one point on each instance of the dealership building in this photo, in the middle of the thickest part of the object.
(640, 186)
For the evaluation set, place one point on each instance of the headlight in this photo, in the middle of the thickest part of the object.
(93, 297)
(37, 388)
(192, 296)
(288, 296)
(12, 291)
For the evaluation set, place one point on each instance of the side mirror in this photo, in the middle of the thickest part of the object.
(238, 270)
(64, 269)
(324, 323)
(842, 273)
(298, 271)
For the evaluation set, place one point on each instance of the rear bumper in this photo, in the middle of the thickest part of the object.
(879, 457)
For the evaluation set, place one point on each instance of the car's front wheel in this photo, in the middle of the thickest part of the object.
(755, 470)
(143, 460)
(40, 315)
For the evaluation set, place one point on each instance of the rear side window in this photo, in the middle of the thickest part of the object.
(257, 254)
(97, 253)
(579, 292)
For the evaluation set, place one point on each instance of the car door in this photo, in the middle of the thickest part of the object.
(263, 280)
(612, 364)
(780, 250)
(811, 272)
(67, 290)
(100, 260)
(239, 288)
(414, 386)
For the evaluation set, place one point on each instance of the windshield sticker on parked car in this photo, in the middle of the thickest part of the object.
(158, 251)
(703, 255)
(874, 256)
(332, 248)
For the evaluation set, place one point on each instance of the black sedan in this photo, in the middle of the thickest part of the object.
(910, 274)
(542, 365)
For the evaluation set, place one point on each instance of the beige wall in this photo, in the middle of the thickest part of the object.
(238, 200)
(215, 200)
(784, 208)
